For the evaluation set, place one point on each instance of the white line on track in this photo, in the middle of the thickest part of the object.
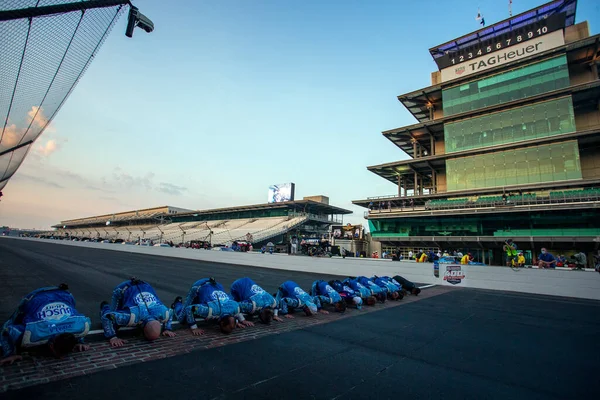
(100, 331)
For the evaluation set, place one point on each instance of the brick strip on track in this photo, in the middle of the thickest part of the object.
(34, 370)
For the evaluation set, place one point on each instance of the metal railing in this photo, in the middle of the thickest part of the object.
(554, 198)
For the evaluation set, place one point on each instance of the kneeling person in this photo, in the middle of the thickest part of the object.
(254, 300)
(376, 291)
(351, 296)
(407, 285)
(392, 287)
(365, 293)
(207, 299)
(45, 317)
(291, 296)
(135, 303)
(328, 295)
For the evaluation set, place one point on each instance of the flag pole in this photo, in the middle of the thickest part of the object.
(510, 8)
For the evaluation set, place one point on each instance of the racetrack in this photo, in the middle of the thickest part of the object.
(447, 343)
(92, 274)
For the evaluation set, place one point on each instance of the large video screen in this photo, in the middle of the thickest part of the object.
(281, 192)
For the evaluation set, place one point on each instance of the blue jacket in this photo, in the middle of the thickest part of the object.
(250, 296)
(292, 290)
(291, 294)
(209, 301)
(140, 295)
(42, 314)
(357, 286)
(369, 284)
(142, 301)
(208, 292)
(322, 288)
(343, 289)
(386, 283)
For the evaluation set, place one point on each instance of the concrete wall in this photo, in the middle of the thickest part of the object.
(587, 118)
(442, 186)
(550, 282)
(590, 163)
(440, 147)
(577, 32)
(581, 73)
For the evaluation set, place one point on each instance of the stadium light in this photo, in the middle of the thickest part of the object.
(136, 18)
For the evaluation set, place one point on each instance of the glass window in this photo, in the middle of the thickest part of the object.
(546, 163)
(538, 120)
(516, 84)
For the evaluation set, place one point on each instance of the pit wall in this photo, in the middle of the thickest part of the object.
(580, 284)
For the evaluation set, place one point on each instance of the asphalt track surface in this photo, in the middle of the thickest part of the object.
(93, 274)
(464, 344)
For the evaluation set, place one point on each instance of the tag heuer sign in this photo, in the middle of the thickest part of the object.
(509, 54)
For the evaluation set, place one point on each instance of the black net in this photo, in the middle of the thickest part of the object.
(42, 59)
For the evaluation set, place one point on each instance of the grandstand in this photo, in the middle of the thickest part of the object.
(258, 224)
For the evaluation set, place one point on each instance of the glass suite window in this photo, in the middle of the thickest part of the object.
(539, 120)
(527, 81)
(546, 163)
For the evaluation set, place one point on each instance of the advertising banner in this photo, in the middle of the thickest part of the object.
(348, 231)
(466, 66)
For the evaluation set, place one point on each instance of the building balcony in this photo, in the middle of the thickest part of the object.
(554, 200)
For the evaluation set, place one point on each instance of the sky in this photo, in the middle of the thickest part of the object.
(226, 98)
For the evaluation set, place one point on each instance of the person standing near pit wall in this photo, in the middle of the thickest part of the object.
(510, 248)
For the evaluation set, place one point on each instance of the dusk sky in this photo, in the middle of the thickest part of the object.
(225, 98)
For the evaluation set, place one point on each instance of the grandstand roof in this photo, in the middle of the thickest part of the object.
(46, 48)
(141, 214)
(309, 206)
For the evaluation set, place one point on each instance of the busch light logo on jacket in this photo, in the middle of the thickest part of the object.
(145, 298)
(298, 291)
(255, 289)
(55, 312)
(219, 295)
(348, 289)
(330, 290)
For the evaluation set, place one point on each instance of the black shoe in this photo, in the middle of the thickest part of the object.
(178, 299)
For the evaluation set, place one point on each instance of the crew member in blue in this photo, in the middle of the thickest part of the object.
(290, 296)
(351, 296)
(376, 291)
(407, 286)
(327, 295)
(254, 300)
(45, 317)
(365, 293)
(207, 299)
(392, 288)
(135, 303)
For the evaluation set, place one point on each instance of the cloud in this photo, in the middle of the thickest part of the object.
(169, 188)
(130, 181)
(36, 117)
(35, 121)
(48, 148)
(38, 180)
(11, 137)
